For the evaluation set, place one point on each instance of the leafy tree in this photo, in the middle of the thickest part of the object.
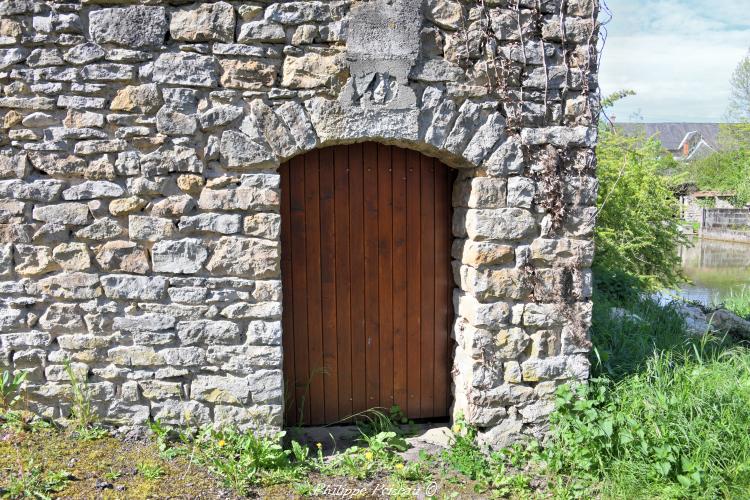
(727, 170)
(637, 232)
(739, 99)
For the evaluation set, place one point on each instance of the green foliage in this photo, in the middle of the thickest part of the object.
(10, 389)
(739, 98)
(611, 99)
(488, 470)
(666, 418)
(83, 415)
(637, 227)
(738, 301)
(150, 470)
(727, 170)
(464, 456)
(639, 326)
(377, 454)
(246, 459)
(677, 429)
(32, 483)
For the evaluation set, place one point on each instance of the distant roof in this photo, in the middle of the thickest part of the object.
(671, 135)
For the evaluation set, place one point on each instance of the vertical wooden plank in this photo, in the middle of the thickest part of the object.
(299, 287)
(413, 250)
(385, 274)
(427, 305)
(400, 264)
(287, 323)
(328, 285)
(443, 286)
(357, 260)
(372, 346)
(314, 326)
(343, 280)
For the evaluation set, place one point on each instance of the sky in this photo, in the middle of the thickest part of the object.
(678, 55)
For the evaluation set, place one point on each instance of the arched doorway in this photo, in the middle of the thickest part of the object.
(367, 282)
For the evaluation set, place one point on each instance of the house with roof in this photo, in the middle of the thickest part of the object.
(686, 141)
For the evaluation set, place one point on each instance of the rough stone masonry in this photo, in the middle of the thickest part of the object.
(139, 197)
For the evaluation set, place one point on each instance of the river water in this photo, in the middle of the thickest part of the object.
(715, 269)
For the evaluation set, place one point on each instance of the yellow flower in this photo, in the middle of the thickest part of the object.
(456, 429)
(399, 466)
(221, 443)
(319, 445)
(368, 455)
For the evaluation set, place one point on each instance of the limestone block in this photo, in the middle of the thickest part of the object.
(262, 419)
(173, 206)
(203, 23)
(264, 332)
(313, 70)
(563, 251)
(212, 223)
(108, 72)
(175, 412)
(219, 116)
(138, 26)
(84, 53)
(72, 256)
(184, 256)
(124, 256)
(125, 206)
(13, 166)
(33, 260)
(221, 389)
(208, 332)
(90, 190)
(39, 190)
(485, 253)
(102, 229)
(299, 12)
(263, 225)
(9, 57)
(184, 356)
(245, 257)
(141, 227)
(11, 318)
(160, 389)
(521, 192)
(445, 13)
(145, 98)
(241, 152)
(134, 356)
(128, 287)
(493, 315)
(487, 192)
(76, 285)
(186, 68)
(507, 159)
(149, 322)
(501, 224)
(492, 284)
(261, 31)
(247, 74)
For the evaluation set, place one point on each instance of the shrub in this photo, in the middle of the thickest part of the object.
(637, 229)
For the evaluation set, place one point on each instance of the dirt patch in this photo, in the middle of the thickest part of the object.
(106, 468)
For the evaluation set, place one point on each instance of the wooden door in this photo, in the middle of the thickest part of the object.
(366, 267)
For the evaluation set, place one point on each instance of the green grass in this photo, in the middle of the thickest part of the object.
(738, 301)
(667, 416)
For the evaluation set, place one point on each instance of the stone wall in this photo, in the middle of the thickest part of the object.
(139, 200)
